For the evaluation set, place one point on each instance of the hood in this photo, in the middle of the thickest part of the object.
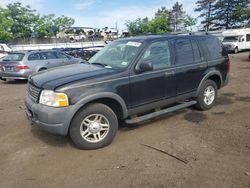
(229, 43)
(56, 77)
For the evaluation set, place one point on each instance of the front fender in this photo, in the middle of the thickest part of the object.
(76, 107)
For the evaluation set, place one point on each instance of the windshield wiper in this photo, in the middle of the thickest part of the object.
(101, 64)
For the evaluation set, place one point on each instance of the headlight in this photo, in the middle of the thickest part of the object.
(51, 98)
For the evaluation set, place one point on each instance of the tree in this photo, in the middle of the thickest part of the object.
(5, 26)
(177, 17)
(189, 21)
(18, 21)
(231, 13)
(23, 19)
(159, 24)
(49, 25)
(206, 9)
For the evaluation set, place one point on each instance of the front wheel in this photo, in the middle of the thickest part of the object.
(207, 95)
(94, 127)
(236, 50)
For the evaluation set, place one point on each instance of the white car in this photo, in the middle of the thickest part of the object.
(236, 40)
(4, 49)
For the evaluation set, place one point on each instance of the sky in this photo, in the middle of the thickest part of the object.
(102, 13)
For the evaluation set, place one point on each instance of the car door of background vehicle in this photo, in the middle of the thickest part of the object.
(50, 59)
(63, 58)
(149, 87)
(190, 65)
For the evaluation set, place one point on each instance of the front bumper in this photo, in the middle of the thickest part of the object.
(50, 119)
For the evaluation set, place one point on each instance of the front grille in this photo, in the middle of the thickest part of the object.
(34, 92)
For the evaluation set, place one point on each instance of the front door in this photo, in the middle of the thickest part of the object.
(155, 85)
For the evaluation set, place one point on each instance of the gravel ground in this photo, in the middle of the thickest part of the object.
(216, 144)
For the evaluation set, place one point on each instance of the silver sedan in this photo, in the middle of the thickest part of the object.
(19, 65)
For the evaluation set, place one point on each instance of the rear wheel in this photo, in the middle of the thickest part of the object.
(207, 95)
(94, 127)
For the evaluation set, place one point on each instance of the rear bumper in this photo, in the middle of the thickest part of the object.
(47, 118)
(16, 75)
(226, 81)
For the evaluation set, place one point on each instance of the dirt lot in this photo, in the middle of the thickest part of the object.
(216, 144)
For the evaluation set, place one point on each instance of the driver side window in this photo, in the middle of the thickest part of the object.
(158, 53)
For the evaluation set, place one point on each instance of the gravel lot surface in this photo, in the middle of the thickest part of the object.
(216, 144)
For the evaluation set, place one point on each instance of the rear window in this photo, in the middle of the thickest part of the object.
(14, 57)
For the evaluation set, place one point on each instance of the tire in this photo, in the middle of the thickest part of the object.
(207, 102)
(236, 50)
(97, 123)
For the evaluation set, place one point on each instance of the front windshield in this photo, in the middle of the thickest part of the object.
(231, 39)
(14, 57)
(117, 55)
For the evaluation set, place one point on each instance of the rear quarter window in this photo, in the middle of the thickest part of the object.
(215, 49)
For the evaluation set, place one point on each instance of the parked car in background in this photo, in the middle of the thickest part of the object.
(4, 49)
(236, 40)
(133, 79)
(20, 65)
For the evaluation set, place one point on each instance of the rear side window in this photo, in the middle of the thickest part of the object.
(183, 52)
(61, 55)
(34, 57)
(158, 53)
(214, 47)
(196, 51)
(248, 37)
(48, 55)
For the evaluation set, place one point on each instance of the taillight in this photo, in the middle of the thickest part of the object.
(228, 65)
(22, 67)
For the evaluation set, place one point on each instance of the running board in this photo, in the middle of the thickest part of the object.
(160, 112)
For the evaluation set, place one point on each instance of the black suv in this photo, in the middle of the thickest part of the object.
(132, 79)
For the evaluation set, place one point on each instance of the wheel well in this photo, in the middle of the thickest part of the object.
(113, 104)
(43, 68)
(216, 79)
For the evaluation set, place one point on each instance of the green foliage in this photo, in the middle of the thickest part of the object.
(49, 25)
(5, 26)
(18, 21)
(177, 16)
(159, 24)
(189, 21)
(220, 14)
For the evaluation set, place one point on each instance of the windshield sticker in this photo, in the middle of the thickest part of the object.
(124, 63)
(134, 44)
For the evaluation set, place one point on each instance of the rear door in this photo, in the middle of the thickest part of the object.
(65, 60)
(155, 85)
(50, 60)
(190, 65)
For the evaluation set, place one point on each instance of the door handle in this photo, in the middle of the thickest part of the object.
(169, 73)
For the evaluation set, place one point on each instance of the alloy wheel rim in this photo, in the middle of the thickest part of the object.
(209, 95)
(94, 128)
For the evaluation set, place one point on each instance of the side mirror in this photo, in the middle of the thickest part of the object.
(145, 66)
